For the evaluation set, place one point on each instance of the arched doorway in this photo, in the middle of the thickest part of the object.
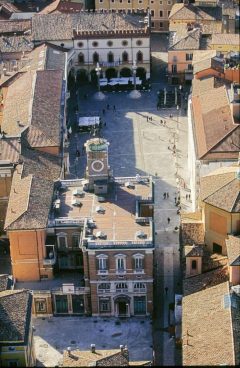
(122, 306)
(125, 72)
(82, 76)
(111, 73)
(141, 73)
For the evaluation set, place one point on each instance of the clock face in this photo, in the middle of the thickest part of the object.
(97, 165)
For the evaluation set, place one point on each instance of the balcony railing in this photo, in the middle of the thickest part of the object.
(139, 290)
(91, 244)
(121, 271)
(102, 272)
(124, 290)
(188, 71)
(63, 221)
(49, 261)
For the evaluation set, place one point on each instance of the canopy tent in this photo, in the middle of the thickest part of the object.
(88, 121)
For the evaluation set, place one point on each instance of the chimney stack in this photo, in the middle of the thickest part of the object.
(69, 350)
(93, 348)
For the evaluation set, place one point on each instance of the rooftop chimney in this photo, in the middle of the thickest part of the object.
(93, 348)
(69, 350)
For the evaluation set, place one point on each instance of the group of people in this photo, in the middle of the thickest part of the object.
(108, 108)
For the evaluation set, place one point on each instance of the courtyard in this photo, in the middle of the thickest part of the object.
(52, 336)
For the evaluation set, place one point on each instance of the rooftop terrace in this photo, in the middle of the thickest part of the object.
(115, 216)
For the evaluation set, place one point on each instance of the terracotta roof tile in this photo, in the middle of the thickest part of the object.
(47, 27)
(233, 250)
(10, 149)
(221, 189)
(207, 328)
(225, 39)
(205, 280)
(101, 358)
(190, 12)
(187, 40)
(212, 119)
(15, 315)
(14, 26)
(14, 44)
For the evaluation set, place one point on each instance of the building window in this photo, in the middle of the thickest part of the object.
(161, 13)
(75, 240)
(124, 42)
(102, 263)
(101, 1)
(110, 57)
(138, 264)
(152, 24)
(161, 24)
(120, 264)
(80, 44)
(121, 1)
(80, 58)
(112, 1)
(121, 286)
(129, 1)
(160, 2)
(109, 43)
(139, 1)
(95, 44)
(152, 13)
(41, 305)
(152, 1)
(139, 305)
(194, 265)
(190, 67)
(139, 57)
(174, 68)
(169, 2)
(217, 248)
(95, 57)
(125, 57)
(62, 240)
(139, 43)
(139, 287)
(189, 57)
(104, 305)
(104, 287)
(169, 11)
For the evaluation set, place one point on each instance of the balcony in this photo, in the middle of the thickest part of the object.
(49, 261)
(138, 271)
(124, 290)
(139, 290)
(102, 272)
(121, 271)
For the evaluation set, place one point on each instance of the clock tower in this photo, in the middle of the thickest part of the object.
(97, 171)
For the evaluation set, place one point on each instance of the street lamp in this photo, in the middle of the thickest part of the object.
(98, 71)
(134, 93)
(99, 95)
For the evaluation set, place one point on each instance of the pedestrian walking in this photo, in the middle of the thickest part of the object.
(174, 146)
(103, 111)
(164, 195)
(186, 197)
(114, 108)
(105, 124)
(189, 197)
(175, 199)
(147, 118)
(166, 290)
(151, 118)
(108, 107)
(171, 115)
(161, 122)
(83, 150)
(164, 123)
(77, 153)
(168, 148)
(167, 195)
(168, 220)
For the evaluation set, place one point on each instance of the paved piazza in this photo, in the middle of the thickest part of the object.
(54, 335)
